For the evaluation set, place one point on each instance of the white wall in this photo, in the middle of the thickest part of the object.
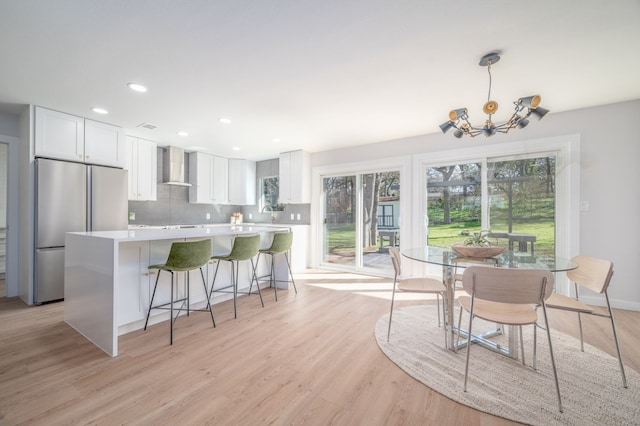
(610, 157)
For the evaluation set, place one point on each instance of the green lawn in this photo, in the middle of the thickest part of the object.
(341, 238)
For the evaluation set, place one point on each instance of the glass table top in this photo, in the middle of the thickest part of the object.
(508, 259)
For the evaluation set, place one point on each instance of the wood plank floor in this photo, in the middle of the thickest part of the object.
(309, 358)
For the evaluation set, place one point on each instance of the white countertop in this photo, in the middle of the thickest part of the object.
(147, 234)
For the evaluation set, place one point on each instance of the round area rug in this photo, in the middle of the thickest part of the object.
(590, 381)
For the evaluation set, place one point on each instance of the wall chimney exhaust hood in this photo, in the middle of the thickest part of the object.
(173, 167)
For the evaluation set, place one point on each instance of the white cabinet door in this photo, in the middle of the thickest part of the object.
(295, 177)
(220, 180)
(142, 166)
(104, 144)
(147, 170)
(67, 137)
(201, 178)
(242, 182)
(133, 282)
(59, 135)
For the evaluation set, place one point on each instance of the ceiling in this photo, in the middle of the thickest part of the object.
(310, 74)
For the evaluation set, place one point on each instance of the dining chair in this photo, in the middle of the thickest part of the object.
(281, 244)
(184, 256)
(245, 247)
(594, 274)
(415, 285)
(506, 296)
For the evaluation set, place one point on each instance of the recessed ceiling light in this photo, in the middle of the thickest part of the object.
(276, 140)
(183, 133)
(236, 148)
(224, 120)
(99, 110)
(137, 87)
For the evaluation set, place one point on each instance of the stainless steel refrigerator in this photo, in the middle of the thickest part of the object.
(72, 197)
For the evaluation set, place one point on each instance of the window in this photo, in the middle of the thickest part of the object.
(513, 197)
(269, 193)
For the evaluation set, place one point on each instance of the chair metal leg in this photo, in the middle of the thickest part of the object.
(553, 361)
(255, 277)
(171, 315)
(213, 282)
(438, 300)
(234, 279)
(272, 278)
(153, 295)
(188, 284)
(286, 256)
(466, 364)
(209, 308)
(535, 344)
(615, 339)
(458, 331)
(393, 296)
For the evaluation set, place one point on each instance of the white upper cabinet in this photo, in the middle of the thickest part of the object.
(295, 177)
(220, 180)
(59, 135)
(201, 178)
(208, 175)
(142, 164)
(68, 137)
(104, 144)
(242, 182)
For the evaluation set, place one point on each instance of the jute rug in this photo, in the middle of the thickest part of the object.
(590, 381)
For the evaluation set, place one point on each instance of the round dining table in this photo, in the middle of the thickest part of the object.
(450, 260)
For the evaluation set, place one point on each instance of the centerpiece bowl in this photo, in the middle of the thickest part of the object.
(477, 251)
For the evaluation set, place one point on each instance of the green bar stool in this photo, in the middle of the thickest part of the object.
(184, 256)
(244, 248)
(281, 245)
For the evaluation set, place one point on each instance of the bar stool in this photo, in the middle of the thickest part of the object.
(244, 248)
(281, 244)
(183, 256)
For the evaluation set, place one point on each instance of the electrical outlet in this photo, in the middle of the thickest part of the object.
(291, 216)
(584, 206)
(132, 215)
(208, 216)
(250, 215)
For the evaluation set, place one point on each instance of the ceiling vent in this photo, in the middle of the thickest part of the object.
(147, 126)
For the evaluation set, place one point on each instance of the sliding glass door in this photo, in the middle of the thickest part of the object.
(361, 220)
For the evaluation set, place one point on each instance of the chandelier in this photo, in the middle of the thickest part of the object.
(459, 118)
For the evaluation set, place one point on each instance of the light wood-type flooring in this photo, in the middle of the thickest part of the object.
(309, 358)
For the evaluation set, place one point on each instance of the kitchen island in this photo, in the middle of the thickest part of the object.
(107, 284)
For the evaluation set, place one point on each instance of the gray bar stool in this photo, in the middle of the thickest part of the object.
(244, 248)
(281, 244)
(184, 256)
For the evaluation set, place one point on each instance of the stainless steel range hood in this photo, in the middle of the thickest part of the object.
(173, 167)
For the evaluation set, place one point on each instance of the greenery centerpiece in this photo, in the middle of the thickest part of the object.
(478, 244)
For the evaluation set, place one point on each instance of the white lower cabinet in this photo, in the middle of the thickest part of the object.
(137, 282)
(133, 295)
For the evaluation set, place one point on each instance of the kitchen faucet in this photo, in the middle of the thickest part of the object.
(273, 219)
